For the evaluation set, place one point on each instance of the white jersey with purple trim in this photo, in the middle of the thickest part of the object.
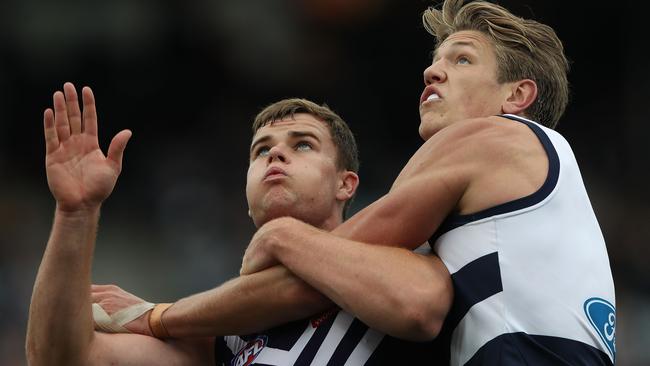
(532, 279)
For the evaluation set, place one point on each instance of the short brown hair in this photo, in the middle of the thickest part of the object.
(347, 154)
(525, 49)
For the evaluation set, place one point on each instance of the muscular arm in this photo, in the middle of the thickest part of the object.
(425, 192)
(391, 289)
(394, 290)
(245, 304)
(387, 286)
(464, 168)
(60, 326)
(60, 323)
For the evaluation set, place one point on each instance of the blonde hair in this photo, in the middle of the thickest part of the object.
(525, 49)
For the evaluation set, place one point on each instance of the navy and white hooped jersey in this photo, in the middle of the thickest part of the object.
(532, 280)
(335, 339)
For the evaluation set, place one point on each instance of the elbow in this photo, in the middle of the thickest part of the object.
(423, 312)
(423, 326)
(420, 323)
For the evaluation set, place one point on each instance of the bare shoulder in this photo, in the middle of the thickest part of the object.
(491, 160)
(508, 161)
(492, 132)
(470, 165)
(471, 143)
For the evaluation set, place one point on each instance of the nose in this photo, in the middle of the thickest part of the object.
(434, 73)
(277, 153)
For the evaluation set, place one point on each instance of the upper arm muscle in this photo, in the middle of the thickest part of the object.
(427, 190)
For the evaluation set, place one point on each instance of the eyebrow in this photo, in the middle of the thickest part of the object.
(260, 140)
(456, 44)
(294, 134)
(304, 134)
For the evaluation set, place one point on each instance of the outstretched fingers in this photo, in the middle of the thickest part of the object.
(68, 119)
(90, 111)
(72, 104)
(51, 138)
(61, 122)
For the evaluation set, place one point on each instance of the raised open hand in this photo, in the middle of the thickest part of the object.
(79, 175)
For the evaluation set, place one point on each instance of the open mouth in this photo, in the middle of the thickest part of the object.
(433, 96)
(429, 94)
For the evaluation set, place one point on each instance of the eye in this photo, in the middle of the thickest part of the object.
(303, 146)
(261, 151)
(463, 60)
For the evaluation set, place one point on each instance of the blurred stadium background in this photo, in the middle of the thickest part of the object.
(187, 78)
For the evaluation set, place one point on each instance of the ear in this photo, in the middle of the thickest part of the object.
(522, 94)
(348, 183)
(250, 214)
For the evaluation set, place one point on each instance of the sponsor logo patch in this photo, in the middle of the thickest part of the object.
(249, 352)
(602, 316)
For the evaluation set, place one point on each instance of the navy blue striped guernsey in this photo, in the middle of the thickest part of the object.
(336, 338)
(532, 281)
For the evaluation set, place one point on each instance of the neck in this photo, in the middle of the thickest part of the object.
(328, 224)
(331, 223)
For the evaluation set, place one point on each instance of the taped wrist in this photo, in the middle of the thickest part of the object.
(155, 321)
(115, 323)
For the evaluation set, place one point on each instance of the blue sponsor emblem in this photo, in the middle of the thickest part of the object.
(249, 352)
(602, 316)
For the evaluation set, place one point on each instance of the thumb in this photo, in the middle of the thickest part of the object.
(117, 146)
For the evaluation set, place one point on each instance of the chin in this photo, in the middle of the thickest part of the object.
(429, 125)
(424, 132)
(264, 217)
(279, 207)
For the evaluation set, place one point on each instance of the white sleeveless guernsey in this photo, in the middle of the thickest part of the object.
(532, 279)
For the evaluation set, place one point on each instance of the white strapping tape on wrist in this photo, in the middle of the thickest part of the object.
(115, 323)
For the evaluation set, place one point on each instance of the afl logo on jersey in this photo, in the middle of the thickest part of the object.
(602, 316)
(249, 353)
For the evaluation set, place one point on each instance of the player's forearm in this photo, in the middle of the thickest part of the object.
(234, 307)
(60, 327)
(391, 289)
